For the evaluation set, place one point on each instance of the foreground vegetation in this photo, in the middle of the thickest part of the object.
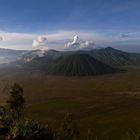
(14, 126)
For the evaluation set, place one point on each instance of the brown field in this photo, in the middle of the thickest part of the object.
(108, 105)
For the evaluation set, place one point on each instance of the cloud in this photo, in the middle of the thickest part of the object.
(40, 53)
(57, 39)
(1, 38)
(35, 44)
(87, 45)
(13, 36)
(73, 44)
(39, 42)
(124, 36)
(41, 39)
(76, 44)
(130, 35)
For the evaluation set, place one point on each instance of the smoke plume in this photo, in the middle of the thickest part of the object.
(75, 44)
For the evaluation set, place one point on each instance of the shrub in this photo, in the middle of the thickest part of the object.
(69, 129)
(31, 130)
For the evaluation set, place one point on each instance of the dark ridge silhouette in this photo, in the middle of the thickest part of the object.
(115, 57)
(79, 65)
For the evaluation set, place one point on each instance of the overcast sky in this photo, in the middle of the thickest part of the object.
(113, 23)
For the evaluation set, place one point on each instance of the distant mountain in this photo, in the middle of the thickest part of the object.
(47, 60)
(37, 54)
(11, 52)
(115, 57)
(37, 59)
(106, 55)
(9, 55)
(41, 60)
(78, 65)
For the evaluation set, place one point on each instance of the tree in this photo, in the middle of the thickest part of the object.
(15, 102)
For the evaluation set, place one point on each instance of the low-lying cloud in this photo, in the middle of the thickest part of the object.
(87, 45)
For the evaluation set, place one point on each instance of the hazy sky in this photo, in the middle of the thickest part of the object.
(105, 22)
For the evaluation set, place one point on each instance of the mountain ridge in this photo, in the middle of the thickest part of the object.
(108, 55)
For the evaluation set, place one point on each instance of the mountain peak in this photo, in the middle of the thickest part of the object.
(110, 48)
(78, 64)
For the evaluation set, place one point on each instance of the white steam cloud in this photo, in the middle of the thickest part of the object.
(1, 38)
(39, 42)
(87, 45)
(76, 44)
(73, 44)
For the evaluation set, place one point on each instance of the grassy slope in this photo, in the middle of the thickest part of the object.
(109, 105)
(79, 64)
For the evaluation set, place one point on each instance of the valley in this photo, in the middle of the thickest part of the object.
(108, 105)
